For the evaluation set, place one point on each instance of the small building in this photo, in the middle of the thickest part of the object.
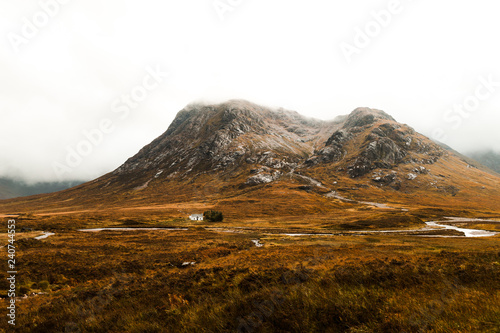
(196, 217)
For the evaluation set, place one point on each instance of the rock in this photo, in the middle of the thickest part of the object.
(421, 170)
(263, 178)
(449, 189)
(306, 188)
(390, 180)
(411, 176)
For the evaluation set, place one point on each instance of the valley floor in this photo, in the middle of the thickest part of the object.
(206, 280)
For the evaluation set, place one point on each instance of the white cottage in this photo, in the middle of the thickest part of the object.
(196, 217)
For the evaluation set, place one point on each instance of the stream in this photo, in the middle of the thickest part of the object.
(466, 232)
(131, 229)
(432, 225)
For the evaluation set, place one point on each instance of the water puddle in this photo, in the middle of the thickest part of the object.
(257, 243)
(45, 235)
(298, 235)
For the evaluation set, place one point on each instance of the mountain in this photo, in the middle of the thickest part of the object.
(253, 161)
(489, 158)
(10, 188)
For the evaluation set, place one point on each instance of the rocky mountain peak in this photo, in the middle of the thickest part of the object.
(261, 145)
(365, 116)
(212, 137)
(371, 139)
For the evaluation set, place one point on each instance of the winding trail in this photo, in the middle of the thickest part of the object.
(333, 194)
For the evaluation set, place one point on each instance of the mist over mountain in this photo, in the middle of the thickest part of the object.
(10, 188)
(489, 158)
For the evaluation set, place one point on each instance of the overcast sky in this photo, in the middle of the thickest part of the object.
(85, 84)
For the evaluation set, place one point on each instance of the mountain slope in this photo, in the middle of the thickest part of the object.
(490, 158)
(253, 161)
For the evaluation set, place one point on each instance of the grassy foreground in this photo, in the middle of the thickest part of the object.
(206, 281)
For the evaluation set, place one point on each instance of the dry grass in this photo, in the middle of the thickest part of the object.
(135, 281)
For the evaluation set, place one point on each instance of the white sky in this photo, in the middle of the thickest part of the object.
(64, 79)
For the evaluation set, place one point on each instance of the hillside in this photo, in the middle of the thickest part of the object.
(253, 161)
(10, 188)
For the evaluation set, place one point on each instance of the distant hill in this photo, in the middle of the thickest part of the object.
(490, 158)
(10, 188)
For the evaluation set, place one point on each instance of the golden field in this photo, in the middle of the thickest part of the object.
(135, 281)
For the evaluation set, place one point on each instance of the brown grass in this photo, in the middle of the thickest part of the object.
(136, 282)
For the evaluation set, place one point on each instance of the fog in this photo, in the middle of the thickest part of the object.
(102, 79)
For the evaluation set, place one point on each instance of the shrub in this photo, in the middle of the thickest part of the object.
(213, 216)
(24, 290)
(44, 285)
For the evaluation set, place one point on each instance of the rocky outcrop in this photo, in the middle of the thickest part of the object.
(365, 116)
(334, 149)
(382, 152)
(263, 176)
(370, 139)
